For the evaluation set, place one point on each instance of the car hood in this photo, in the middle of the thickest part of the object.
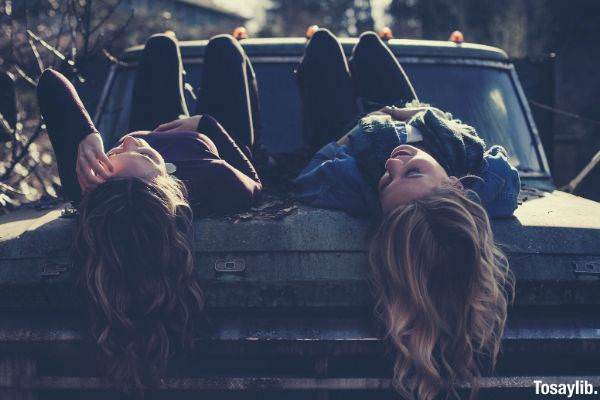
(292, 255)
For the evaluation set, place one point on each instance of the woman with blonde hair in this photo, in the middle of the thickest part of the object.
(441, 284)
(441, 289)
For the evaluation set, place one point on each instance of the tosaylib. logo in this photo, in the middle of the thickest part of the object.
(569, 389)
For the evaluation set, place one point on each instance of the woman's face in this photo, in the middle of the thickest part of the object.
(410, 174)
(134, 157)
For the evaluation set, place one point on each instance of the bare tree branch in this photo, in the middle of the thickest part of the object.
(114, 59)
(117, 33)
(22, 154)
(76, 29)
(48, 46)
(106, 17)
(7, 188)
(87, 25)
(24, 75)
(36, 54)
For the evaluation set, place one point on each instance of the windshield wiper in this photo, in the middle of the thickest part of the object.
(525, 169)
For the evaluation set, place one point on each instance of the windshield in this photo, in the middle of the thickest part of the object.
(483, 97)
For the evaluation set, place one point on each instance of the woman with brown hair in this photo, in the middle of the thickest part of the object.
(134, 240)
(441, 284)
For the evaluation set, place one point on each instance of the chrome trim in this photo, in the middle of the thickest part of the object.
(402, 60)
(534, 132)
(533, 174)
(454, 61)
(104, 95)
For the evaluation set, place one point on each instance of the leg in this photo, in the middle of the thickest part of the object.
(328, 102)
(158, 89)
(377, 75)
(227, 147)
(226, 91)
(67, 122)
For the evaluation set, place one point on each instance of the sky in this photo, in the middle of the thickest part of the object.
(256, 9)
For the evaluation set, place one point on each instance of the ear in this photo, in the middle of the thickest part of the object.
(454, 181)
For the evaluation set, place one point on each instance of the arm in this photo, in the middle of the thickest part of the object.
(500, 184)
(456, 146)
(332, 180)
(372, 141)
(76, 142)
(227, 148)
(93, 166)
(219, 188)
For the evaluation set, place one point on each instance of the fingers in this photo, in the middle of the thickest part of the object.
(94, 161)
(86, 175)
(103, 158)
(404, 114)
(168, 126)
(380, 112)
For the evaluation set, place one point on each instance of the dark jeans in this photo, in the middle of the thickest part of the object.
(331, 86)
(227, 146)
(158, 98)
(158, 95)
(227, 91)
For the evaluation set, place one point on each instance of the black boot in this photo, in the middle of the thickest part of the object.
(228, 90)
(378, 77)
(158, 95)
(328, 101)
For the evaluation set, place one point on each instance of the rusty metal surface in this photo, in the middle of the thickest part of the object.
(223, 292)
(554, 223)
(275, 383)
(297, 351)
(308, 326)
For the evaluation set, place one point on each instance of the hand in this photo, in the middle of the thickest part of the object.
(182, 124)
(93, 166)
(382, 111)
(402, 114)
(344, 140)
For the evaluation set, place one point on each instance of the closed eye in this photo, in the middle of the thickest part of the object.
(114, 151)
(148, 157)
(143, 154)
(413, 173)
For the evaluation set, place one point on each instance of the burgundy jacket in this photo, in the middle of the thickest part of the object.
(219, 180)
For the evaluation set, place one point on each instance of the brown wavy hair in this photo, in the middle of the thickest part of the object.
(442, 288)
(134, 249)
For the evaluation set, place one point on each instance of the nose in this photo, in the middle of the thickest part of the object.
(395, 165)
(129, 143)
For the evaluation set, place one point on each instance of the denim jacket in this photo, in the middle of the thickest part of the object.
(333, 178)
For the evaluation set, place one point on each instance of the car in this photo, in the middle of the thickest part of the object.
(287, 288)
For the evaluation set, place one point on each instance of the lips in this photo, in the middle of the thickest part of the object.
(385, 183)
(402, 153)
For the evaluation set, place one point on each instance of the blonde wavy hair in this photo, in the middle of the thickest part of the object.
(442, 288)
(134, 248)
